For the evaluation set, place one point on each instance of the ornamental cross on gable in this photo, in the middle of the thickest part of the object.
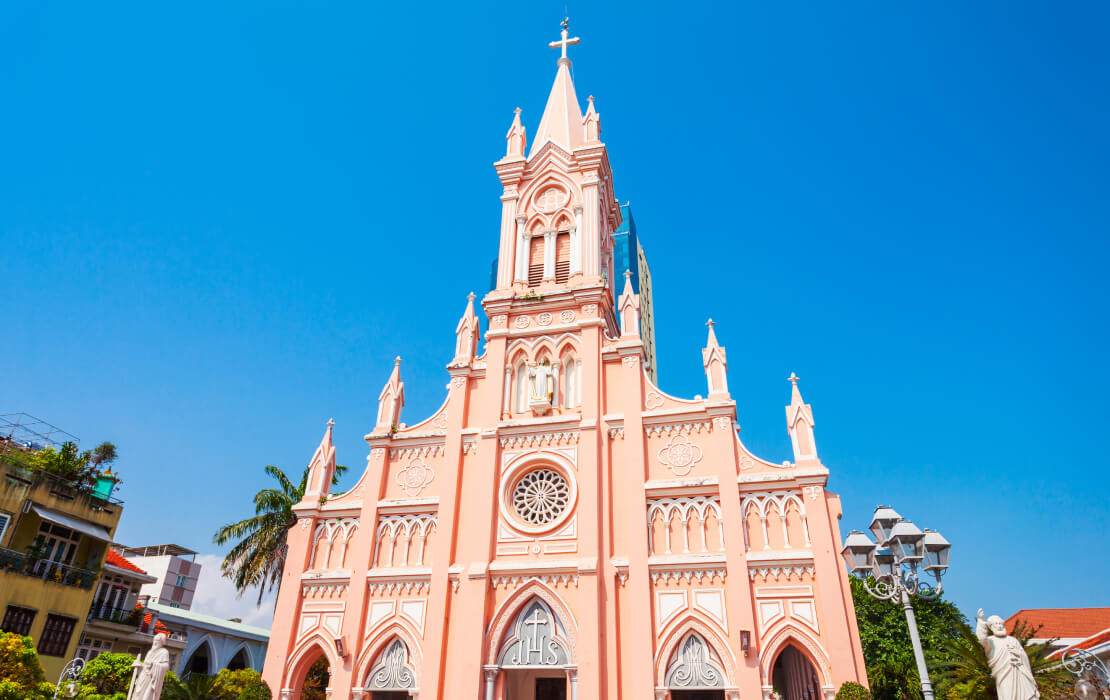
(564, 42)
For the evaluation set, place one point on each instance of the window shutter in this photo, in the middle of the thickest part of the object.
(562, 257)
(535, 261)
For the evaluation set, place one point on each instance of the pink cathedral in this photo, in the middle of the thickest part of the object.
(561, 527)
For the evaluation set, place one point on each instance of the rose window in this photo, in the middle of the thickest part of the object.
(541, 496)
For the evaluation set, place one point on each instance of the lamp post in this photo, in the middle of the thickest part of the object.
(70, 673)
(894, 569)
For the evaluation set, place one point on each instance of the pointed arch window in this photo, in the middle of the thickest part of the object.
(562, 256)
(535, 260)
(520, 387)
(570, 391)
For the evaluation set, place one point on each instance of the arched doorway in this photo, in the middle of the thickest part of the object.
(316, 680)
(239, 661)
(393, 675)
(200, 662)
(534, 661)
(794, 676)
(694, 672)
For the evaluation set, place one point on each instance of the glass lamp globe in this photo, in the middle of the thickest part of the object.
(882, 522)
(858, 552)
(906, 540)
(937, 550)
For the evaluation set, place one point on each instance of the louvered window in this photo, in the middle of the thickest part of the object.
(535, 261)
(18, 620)
(562, 257)
(55, 635)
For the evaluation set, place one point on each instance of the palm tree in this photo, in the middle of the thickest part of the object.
(258, 558)
(967, 674)
(196, 687)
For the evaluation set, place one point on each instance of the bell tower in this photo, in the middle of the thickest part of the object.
(558, 210)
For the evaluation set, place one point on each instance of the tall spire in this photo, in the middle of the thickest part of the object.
(716, 366)
(562, 117)
(799, 423)
(320, 469)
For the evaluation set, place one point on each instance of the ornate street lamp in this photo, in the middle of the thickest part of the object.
(68, 678)
(890, 569)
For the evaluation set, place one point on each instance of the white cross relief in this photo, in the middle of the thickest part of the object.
(564, 42)
(535, 644)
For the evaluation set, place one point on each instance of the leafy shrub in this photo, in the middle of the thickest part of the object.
(19, 663)
(106, 675)
(853, 691)
(244, 684)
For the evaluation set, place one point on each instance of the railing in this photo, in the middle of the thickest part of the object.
(120, 616)
(19, 471)
(45, 569)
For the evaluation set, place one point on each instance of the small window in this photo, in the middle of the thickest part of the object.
(535, 261)
(18, 620)
(5, 520)
(55, 635)
(562, 257)
(181, 580)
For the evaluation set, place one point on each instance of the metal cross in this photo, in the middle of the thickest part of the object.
(564, 42)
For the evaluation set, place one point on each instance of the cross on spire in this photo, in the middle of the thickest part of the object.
(793, 379)
(564, 42)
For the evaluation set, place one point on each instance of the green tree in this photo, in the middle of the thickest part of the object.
(965, 671)
(258, 557)
(853, 691)
(103, 455)
(887, 652)
(107, 674)
(244, 684)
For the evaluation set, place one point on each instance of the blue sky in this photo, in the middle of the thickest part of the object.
(220, 223)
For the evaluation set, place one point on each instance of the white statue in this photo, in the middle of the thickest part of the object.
(541, 382)
(1013, 675)
(146, 683)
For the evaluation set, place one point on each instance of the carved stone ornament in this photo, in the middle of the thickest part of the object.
(541, 496)
(499, 321)
(392, 671)
(441, 420)
(522, 321)
(654, 400)
(722, 422)
(544, 319)
(456, 382)
(692, 666)
(534, 642)
(566, 316)
(414, 476)
(631, 361)
(680, 455)
(590, 309)
(377, 453)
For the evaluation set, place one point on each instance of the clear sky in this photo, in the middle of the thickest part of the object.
(219, 223)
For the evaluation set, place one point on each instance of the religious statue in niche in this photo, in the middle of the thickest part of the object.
(151, 673)
(1010, 667)
(541, 386)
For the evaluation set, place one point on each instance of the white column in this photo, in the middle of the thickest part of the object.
(572, 676)
(521, 251)
(508, 240)
(491, 680)
(508, 389)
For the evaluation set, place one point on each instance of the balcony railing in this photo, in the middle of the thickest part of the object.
(45, 569)
(120, 616)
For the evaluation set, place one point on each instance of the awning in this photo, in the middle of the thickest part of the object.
(85, 527)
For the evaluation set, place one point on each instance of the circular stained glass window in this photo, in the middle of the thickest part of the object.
(541, 496)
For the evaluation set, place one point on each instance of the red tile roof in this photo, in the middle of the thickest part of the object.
(158, 626)
(116, 559)
(1063, 623)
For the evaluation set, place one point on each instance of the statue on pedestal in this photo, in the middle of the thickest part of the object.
(148, 676)
(541, 385)
(1013, 675)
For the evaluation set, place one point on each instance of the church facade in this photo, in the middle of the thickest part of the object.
(561, 527)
